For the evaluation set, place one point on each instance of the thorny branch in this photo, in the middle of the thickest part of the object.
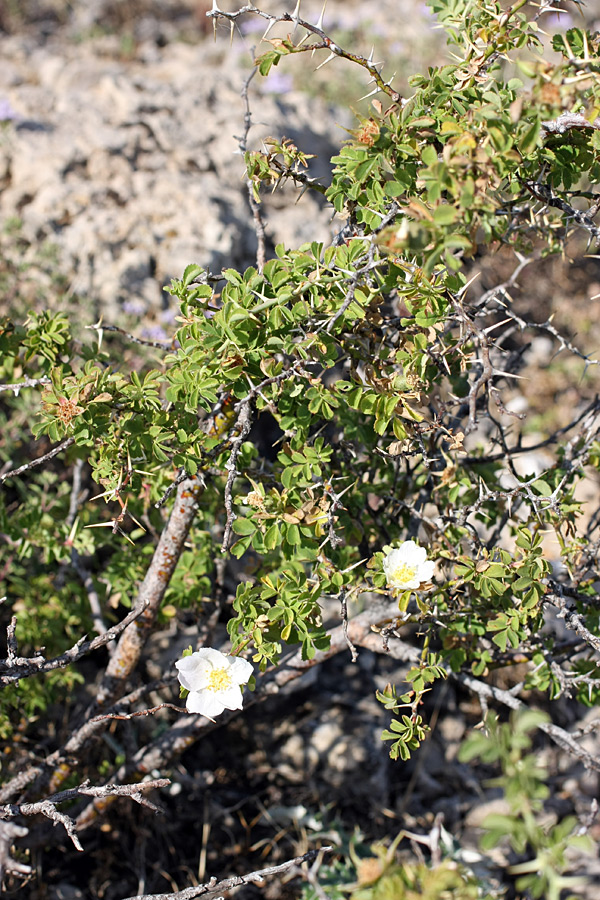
(19, 385)
(573, 620)
(243, 423)
(517, 449)
(546, 195)
(326, 43)
(259, 225)
(297, 176)
(159, 345)
(39, 461)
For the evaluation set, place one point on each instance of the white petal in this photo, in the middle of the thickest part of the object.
(419, 556)
(218, 659)
(412, 584)
(193, 672)
(241, 670)
(184, 669)
(391, 560)
(231, 698)
(426, 570)
(411, 554)
(207, 703)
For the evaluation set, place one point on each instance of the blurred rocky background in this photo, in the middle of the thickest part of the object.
(118, 144)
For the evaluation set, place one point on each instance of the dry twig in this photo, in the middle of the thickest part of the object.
(228, 884)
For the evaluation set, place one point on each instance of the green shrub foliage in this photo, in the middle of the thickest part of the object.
(331, 404)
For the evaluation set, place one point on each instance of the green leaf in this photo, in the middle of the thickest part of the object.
(445, 215)
(192, 271)
(243, 526)
(394, 189)
(531, 137)
(272, 537)
(293, 535)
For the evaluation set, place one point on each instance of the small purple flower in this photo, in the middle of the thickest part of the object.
(168, 316)
(279, 83)
(154, 333)
(558, 21)
(134, 307)
(7, 113)
(254, 25)
(380, 29)
(351, 19)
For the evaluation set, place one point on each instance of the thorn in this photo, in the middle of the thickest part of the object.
(329, 58)
(215, 9)
(371, 54)
(305, 38)
(231, 27)
(370, 94)
(269, 26)
(466, 286)
(296, 17)
(377, 67)
(319, 24)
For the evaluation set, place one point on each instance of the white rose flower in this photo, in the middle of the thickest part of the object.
(407, 567)
(213, 680)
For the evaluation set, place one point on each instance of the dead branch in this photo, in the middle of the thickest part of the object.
(9, 833)
(39, 771)
(227, 884)
(47, 807)
(18, 667)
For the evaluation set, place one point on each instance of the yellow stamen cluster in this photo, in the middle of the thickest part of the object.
(220, 680)
(402, 573)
